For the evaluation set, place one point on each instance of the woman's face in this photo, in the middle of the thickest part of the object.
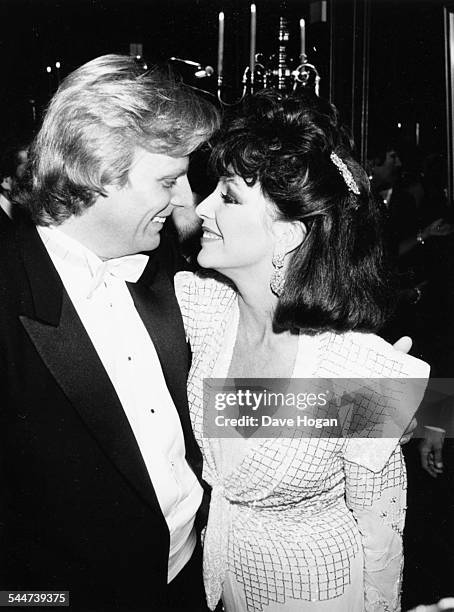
(237, 229)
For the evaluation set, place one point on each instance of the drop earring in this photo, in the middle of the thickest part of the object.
(277, 278)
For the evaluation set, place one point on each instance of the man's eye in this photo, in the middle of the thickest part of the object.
(228, 199)
(169, 184)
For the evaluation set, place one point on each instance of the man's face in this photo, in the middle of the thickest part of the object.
(22, 159)
(186, 221)
(130, 218)
(387, 174)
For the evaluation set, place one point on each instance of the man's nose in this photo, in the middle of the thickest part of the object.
(205, 209)
(182, 194)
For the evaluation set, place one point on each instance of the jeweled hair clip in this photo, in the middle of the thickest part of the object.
(345, 172)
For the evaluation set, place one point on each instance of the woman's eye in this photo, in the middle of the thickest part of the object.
(227, 199)
(169, 184)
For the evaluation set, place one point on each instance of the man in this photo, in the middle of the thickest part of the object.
(436, 449)
(98, 465)
(13, 162)
(384, 166)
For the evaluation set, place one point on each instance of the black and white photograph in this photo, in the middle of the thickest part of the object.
(227, 305)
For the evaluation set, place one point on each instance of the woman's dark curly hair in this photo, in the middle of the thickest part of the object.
(338, 277)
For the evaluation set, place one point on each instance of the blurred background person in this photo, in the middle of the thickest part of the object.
(13, 162)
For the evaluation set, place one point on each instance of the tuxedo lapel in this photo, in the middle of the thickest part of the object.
(5, 221)
(58, 335)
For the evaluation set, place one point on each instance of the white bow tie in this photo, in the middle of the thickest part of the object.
(128, 268)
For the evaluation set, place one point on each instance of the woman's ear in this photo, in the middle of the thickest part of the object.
(289, 235)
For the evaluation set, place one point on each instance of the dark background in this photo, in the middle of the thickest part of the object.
(407, 86)
(406, 53)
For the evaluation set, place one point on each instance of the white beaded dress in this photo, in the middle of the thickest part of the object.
(297, 524)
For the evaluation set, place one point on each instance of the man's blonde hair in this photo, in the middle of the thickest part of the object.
(100, 114)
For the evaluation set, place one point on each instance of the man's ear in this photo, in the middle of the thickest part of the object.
(289, 235)
(7, 183)
(110, 190)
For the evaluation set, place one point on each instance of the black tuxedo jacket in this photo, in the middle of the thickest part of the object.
(5, 221)
(78, 511)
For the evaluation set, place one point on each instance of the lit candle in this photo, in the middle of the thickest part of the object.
(57, 66)
(303, 40)
(253, 41)
(49, 79)
(220, 44)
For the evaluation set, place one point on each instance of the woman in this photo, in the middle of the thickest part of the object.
(293, 230)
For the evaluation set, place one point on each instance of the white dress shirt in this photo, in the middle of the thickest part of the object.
(106, 309)
(6, 205)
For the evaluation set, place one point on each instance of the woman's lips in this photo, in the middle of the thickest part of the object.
(209, 234)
